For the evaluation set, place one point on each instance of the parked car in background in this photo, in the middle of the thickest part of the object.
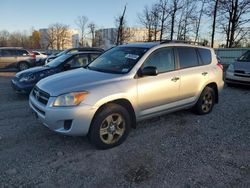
(13, 57)
(72, 50)
(239, 71)
(126, 84)
(24, 81)
(40, 56)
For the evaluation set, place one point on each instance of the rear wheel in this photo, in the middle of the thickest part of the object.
(110, 127)
(206, 101)
(23, 66)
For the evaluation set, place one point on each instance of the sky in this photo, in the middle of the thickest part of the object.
(24, 15)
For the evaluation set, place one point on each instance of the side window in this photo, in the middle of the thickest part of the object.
(93, 57)
(8, 53)
(78, 61)
(162, 59)
(21, 53)
(205, 55)
(187, 57)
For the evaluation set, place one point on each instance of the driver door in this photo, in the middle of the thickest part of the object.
(158, 93)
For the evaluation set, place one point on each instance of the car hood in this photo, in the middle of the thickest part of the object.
(75, 80)
(32, 71)
(243, 66)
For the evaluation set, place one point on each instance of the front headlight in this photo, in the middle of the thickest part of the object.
(28, 78)
(230, 68)
(70, 99)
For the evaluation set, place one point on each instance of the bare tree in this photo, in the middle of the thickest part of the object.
(58, 36)
(92, 28)
(198, 22)
(174, 7)
(121, 27)
(146, 19)
(81, 22)
(235, 14)
(187, 18)
(164, 15)
(155, 19)
(4, 38)
(214, 13)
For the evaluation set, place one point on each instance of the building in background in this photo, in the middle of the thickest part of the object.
(106, 38)
(59, 38)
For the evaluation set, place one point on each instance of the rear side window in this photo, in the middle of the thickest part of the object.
(205, 55)
(187, 57)
(8, 53)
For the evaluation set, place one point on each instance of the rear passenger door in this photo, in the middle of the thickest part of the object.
(192, 74)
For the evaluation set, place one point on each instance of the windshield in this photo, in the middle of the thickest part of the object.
(245, 57)
(61, 53)
(119, 60)
(58, 61)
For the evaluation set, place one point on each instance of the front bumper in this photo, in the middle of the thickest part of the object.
(241, 80)
(21, 88)
(73, 121)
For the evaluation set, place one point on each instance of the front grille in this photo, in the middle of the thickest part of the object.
(243, 75)
(41, 95)
(239, 71)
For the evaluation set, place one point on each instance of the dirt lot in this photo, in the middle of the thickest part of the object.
(176, 150)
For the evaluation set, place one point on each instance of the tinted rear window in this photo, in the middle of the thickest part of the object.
(205, 56)
(187, 57)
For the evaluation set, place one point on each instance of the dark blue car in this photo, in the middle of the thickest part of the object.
(25, 80)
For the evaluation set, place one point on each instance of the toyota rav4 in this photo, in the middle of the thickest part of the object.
(127, 84)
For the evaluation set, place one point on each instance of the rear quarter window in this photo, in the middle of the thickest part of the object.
(205, 56)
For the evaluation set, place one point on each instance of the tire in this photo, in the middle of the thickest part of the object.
(105, 132)
(205, 102)
(23, 66)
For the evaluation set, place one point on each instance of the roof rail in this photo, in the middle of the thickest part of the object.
(183, 41)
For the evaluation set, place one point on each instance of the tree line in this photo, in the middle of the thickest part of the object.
(184, 20)
(196, 20)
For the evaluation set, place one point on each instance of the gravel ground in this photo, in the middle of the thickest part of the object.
(175, 150)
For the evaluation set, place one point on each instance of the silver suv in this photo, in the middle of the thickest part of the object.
(127, 84)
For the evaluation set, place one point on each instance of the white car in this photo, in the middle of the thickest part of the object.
(39, 55)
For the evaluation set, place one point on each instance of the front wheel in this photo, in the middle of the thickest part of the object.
(206, 101)
(110, 126)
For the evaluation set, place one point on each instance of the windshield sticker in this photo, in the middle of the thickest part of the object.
(125, 70)
(132, 56)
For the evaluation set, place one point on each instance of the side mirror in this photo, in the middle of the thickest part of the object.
(66, 66)
(149, 71)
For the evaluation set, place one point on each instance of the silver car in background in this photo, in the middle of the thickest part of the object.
(127, 84)
(238, 73)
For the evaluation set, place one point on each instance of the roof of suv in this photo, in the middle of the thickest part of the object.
(15, 48)
(173, 42)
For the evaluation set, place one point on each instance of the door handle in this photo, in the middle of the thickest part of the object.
(204, 73)
(175, 79)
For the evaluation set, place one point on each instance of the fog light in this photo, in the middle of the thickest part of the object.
(67, 124)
